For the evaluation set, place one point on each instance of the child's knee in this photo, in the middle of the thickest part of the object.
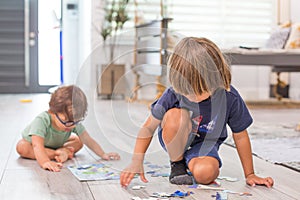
(22, 148)
(204, 172)
(176, 118)
(19, 149)
(205, 175)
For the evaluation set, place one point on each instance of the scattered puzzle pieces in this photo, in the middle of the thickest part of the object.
(138, 198)
(221, 196)
(213, 186)
(138, 187)
(177, 193)
(239, 193)
(157, 170)
(227, 178)
(158, 174)
(207, 187)
(181, 194)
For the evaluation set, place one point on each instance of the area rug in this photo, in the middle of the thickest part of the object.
(278, 144)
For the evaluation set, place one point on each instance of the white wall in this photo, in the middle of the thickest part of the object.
(252, 82)
(295, 14)
(295, 77)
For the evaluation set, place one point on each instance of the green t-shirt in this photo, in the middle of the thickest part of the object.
(41, 126)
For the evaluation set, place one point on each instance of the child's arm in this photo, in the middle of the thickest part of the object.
(243, 146)
(142, 143)
(41, 155)
(96, 148)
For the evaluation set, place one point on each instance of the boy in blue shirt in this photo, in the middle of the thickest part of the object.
(191, 117)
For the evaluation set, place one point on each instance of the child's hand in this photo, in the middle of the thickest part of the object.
(252, 180)
(52, 166)
(129, 172)
(111, 156)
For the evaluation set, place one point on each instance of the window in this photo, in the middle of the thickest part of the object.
(227, 22)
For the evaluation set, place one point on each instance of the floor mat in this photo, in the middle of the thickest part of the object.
(267, 139)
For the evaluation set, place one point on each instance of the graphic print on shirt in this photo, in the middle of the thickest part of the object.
(203, 128)
(195, 123)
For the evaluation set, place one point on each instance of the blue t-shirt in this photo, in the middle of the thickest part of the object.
(209, 117)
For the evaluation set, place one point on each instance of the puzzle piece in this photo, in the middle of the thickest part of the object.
(221, 196)
(138, 187)
(227, 178)
(177, 193)
(239, 193)
(158, 174)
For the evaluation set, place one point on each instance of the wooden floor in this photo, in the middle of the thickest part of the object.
(114, 125)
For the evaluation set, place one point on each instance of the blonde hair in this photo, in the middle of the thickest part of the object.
(197, 65)
(69, 100)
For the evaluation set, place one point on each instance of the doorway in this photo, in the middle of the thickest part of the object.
(19, 42)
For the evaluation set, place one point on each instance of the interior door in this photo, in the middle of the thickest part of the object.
(19, 47)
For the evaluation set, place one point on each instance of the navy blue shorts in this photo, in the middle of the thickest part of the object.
(196, 149)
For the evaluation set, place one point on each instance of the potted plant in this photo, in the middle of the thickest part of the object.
(116, 15)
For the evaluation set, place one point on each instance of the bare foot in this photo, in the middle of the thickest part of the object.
(64, 153)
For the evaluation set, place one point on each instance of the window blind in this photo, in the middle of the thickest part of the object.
(228, 23)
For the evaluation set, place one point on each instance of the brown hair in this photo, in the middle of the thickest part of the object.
(69, 100)
(196, 66)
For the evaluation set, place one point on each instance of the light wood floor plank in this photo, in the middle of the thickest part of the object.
(41, 184)
(109, 192)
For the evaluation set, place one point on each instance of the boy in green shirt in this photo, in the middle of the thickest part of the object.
(48, 138)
